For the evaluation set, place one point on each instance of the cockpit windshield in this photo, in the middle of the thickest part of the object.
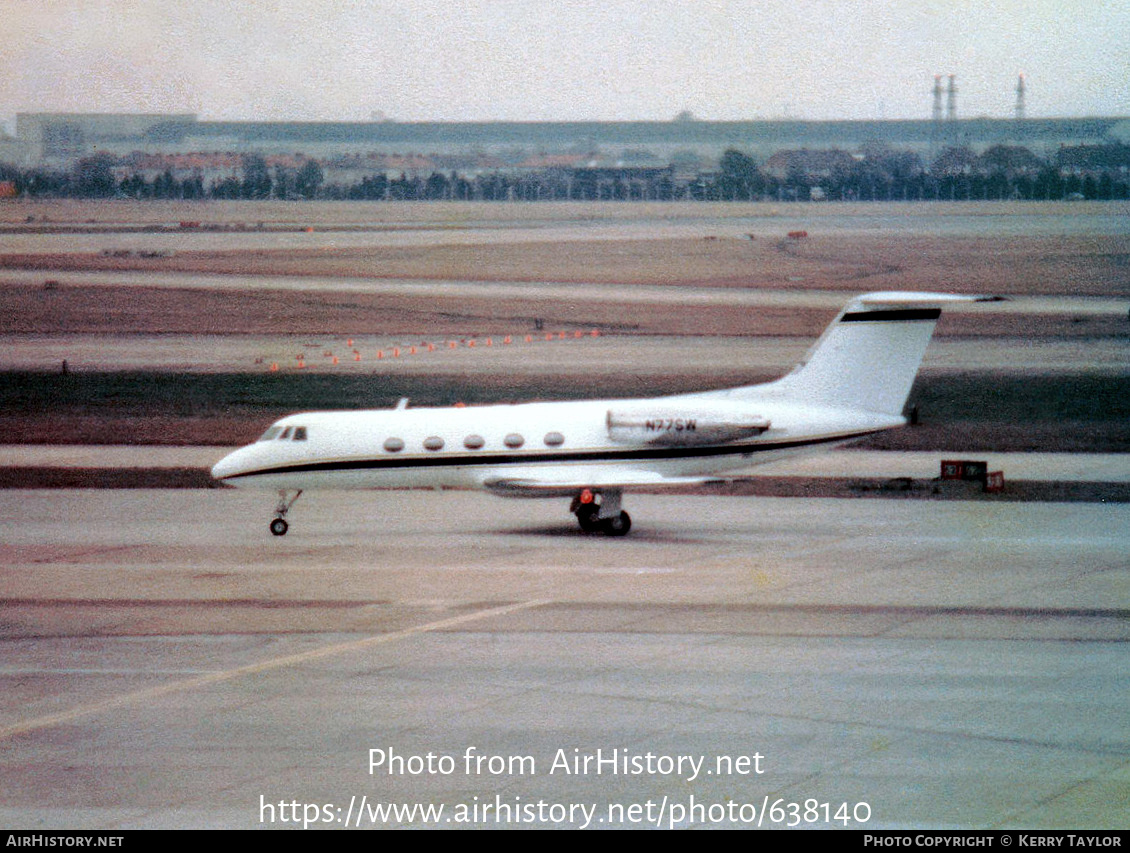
(281, 433)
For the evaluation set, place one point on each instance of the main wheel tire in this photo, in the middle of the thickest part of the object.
(279, 527)
(617, 525)
(586, 517)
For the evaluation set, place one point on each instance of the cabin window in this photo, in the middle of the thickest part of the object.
(299, 433)
(554, 439)
(514, 440)
(285, 434)
(433, 443)
(270, 433)
(394, 445)
(473, 442)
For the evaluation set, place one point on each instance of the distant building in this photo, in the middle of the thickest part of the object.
(1092, 159)
(58, 139)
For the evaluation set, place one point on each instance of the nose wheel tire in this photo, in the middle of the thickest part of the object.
(279, 525)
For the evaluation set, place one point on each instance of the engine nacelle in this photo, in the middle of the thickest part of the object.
(688, 424)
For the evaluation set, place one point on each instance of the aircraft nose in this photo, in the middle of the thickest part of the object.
(226, 467)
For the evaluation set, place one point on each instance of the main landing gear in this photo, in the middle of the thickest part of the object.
(279, 525)
(600, 511)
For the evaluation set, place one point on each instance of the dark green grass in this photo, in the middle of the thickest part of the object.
(984, 411)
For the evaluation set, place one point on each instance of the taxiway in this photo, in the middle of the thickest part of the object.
(167, 663)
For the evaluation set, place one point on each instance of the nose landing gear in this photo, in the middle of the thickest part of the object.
(278, 525)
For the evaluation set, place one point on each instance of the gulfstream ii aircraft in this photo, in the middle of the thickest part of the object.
(854, 381)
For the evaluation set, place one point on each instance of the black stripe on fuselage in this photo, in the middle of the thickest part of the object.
(393, 463)
(892, 315)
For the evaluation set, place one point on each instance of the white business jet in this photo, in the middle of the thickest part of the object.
(854, 381)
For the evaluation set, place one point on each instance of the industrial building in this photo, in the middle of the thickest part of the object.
(57, 140)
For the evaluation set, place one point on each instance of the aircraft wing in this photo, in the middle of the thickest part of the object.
(569, 482)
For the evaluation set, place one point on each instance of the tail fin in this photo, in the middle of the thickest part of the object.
(868, 357)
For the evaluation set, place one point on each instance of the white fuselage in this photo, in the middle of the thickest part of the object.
(571, 443)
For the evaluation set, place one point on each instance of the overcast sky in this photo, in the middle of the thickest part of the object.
(570, 60)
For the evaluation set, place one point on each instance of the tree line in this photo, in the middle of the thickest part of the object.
(878, 173)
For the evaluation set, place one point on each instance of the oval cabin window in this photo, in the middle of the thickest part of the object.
(554, 439)
(433, 443)
(473, 442)
(514, 440)
(394, 445)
